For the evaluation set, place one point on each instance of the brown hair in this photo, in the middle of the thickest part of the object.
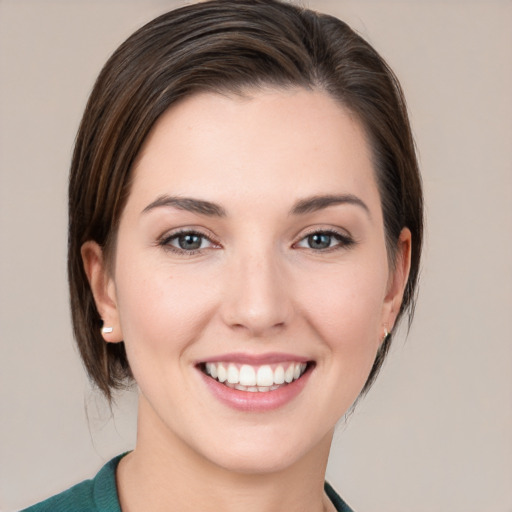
(226, 45)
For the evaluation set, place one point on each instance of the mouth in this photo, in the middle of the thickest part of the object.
(261, 378)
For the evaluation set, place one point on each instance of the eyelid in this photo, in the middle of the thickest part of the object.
(345, 239)
(164, 240)
(312, 230)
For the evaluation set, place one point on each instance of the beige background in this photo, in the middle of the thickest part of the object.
(435, 434)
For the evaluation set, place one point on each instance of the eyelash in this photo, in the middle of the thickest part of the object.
(344, 241)
(165, 242)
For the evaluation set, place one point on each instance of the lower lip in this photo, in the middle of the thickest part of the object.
(256, 401)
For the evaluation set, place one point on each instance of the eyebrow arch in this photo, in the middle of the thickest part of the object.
(188, 204)
(315, 203)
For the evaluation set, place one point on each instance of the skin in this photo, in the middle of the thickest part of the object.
(255, 286)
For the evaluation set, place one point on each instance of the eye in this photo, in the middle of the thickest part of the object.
(187, 242)
(324, 240)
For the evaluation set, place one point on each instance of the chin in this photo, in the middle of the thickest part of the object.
(256, 462)
(261, 453)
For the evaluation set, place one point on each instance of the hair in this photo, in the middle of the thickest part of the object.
(227, 46)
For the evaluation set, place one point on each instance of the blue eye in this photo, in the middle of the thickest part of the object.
(323, 240)
(319, 241)
(187, 241)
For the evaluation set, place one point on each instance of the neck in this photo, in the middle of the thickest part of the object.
(164, 470)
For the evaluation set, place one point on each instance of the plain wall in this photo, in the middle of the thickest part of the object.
(435, 433)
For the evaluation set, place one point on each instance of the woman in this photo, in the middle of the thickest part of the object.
(245, 232)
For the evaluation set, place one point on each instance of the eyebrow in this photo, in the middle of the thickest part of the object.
(301, 207)
(188, 204)
(315, 203)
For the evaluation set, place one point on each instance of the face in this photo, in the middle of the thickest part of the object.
(251, 283)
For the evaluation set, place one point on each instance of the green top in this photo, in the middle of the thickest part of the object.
(96, 495)
(100, 495)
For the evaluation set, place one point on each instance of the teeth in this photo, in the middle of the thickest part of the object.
(265, 376)
(278, 375)
(211, 369)
(288, 374)
(255, 379)
(247, 375)
(233, 374)
(221, 373)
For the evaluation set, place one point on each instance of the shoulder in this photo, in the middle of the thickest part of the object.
(96, 495)
(339, 504)
(78, 497)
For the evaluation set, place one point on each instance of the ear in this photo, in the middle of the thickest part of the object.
(397, 281)
(103, 290)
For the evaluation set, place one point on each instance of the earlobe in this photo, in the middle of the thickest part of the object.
(398, 280)
(103, 290)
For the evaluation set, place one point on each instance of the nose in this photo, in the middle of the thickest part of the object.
(257, 295)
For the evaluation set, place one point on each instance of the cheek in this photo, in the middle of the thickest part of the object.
(346, 307)
(346, 316)
(161, 310)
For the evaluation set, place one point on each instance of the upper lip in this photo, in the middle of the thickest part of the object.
(255, 359)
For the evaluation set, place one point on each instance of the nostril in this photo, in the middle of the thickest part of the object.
(257, 302)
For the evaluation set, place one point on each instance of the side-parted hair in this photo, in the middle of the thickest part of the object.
(227, 46)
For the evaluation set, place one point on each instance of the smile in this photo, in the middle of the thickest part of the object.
(261, 378)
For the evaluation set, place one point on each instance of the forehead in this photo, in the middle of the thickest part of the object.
(266, 142)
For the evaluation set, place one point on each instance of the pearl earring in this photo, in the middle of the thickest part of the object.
(106, 330)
